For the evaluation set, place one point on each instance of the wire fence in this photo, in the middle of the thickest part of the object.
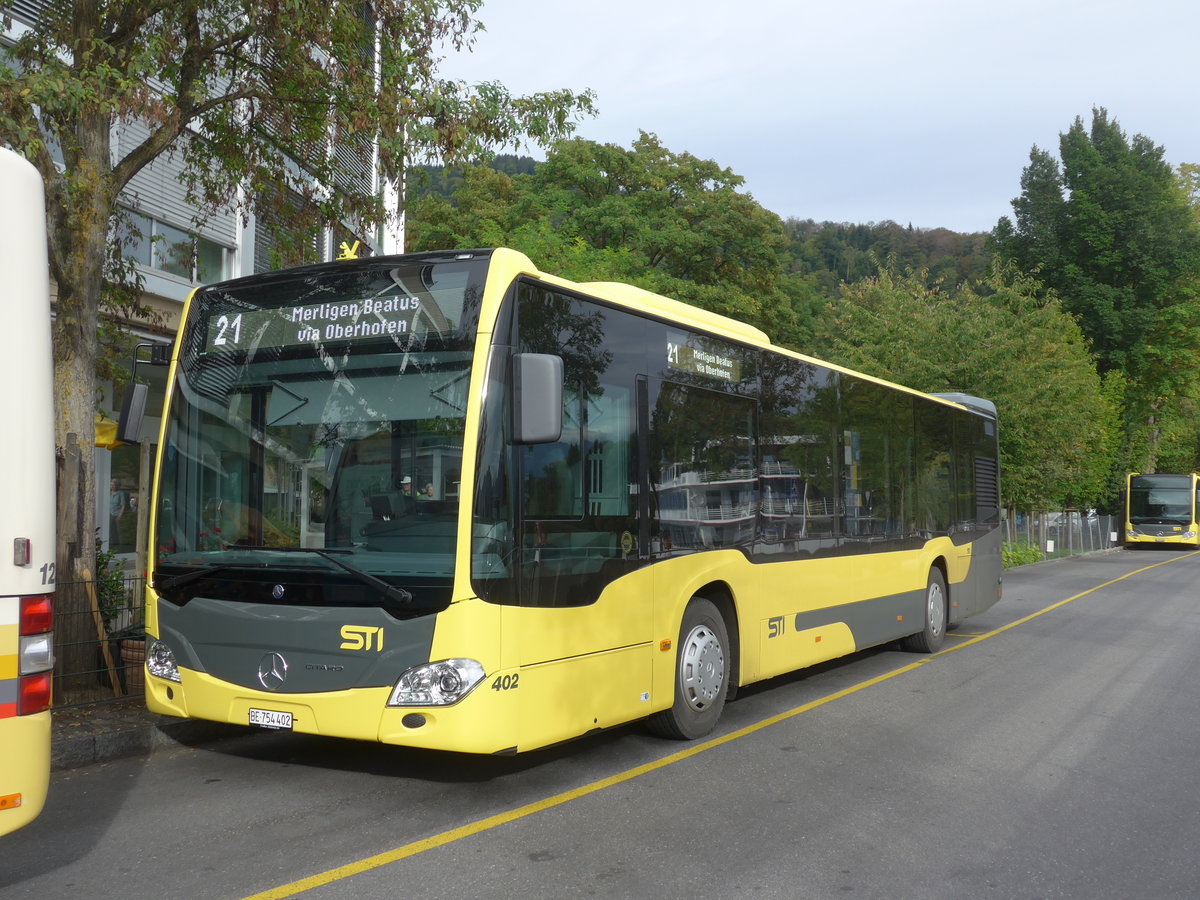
(99, 640)
(1051, 535)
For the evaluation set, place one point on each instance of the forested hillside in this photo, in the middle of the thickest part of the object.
(1079, 317)
(830, 252)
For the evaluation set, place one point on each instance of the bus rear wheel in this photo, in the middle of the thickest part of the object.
(929, 639)
(701, 675)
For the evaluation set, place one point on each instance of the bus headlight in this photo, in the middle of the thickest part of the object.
(160, 661)
(437, 683)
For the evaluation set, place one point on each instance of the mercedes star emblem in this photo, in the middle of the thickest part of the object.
(272, 671)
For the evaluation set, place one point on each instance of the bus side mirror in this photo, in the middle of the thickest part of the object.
(537, 398)
(133, 410)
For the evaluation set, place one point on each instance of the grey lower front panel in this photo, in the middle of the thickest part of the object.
(294, 649)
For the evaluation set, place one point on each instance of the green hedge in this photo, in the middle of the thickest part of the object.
(1020, 555)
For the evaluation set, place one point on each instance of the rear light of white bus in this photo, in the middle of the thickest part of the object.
(36, 655)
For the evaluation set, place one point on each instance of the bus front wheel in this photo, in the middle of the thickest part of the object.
(929, 639)
(701, 675)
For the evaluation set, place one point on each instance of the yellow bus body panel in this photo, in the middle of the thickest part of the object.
(582, 668)
(24, 768)
(9, 638)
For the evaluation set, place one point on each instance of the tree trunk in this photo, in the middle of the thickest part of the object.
(74, 380)
(78, 242)
(1153, 438)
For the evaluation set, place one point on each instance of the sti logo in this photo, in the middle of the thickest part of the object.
(362, 637)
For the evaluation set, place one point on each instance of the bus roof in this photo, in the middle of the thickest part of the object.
(677, 310)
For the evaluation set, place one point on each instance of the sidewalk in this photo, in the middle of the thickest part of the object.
(98, 732)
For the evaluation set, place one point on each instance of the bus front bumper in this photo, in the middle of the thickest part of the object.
(479, 723)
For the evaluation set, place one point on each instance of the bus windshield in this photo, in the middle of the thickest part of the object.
(317, 424)
(1160, 499)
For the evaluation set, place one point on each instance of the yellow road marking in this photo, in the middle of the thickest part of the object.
(448, 837)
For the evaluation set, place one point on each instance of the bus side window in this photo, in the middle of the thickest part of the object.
(577, 517)
(705, 468)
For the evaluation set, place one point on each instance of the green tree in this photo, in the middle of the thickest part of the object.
(1003, 337)
(1111, 230)
(244, 91)
(1189, 183)
(668, 222)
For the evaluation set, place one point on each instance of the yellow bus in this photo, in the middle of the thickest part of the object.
(449, 501)
(1161, 509)
(27, 485)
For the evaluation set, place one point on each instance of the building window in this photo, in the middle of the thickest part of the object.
(167, 248)
(274, 246)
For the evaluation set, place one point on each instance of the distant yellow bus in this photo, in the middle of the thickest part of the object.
(27, 485)
(1160, 509)
(449, 501)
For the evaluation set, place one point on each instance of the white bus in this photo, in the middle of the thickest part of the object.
(27, 485)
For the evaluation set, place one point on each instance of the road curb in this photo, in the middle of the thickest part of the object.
(72, 750)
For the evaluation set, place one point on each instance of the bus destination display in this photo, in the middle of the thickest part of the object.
(368, 317)
(699, 357)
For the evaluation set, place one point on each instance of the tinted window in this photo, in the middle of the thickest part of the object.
(578, 494)
(704, 468)
(934, 494)
(877, 459)
(799, 510)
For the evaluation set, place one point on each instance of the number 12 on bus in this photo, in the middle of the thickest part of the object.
(446, 500)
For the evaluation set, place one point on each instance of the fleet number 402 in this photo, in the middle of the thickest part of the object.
(506, 682)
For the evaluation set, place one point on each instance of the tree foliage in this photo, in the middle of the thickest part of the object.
(669, 222)
(1002, 337)
(253, 96)
(835, 253)
(1113, 230)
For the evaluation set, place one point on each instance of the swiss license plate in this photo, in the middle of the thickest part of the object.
(270, 718)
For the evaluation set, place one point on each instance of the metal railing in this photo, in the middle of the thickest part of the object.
(1064, 533)
(99, 640)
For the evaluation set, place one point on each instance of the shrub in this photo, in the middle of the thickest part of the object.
(111, 593)
(1020, 555)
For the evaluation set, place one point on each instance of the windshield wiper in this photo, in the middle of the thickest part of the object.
(391, 591)
(179, 581)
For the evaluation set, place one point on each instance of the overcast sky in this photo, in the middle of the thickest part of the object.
(919, 111)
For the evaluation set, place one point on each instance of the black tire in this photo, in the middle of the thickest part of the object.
(930, 638)
(701, 675)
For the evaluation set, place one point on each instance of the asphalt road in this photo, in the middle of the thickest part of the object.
(1049, 751)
